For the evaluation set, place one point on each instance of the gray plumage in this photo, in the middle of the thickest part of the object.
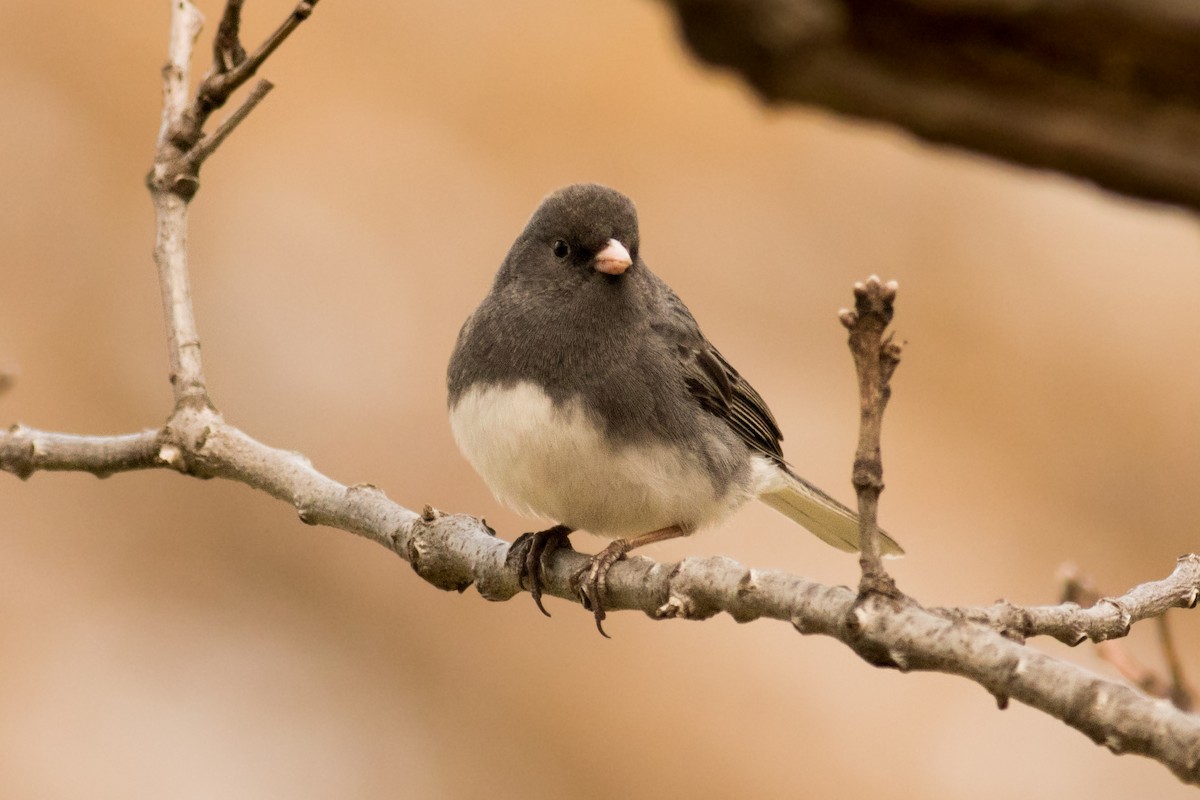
(625, 351)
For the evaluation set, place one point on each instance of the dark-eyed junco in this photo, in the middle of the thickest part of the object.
(583, 391)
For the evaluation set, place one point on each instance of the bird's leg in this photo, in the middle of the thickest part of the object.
(527, 553)
(591, 582)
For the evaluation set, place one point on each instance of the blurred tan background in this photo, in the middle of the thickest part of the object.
(166, 637)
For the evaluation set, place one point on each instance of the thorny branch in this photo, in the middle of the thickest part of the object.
(453, 552)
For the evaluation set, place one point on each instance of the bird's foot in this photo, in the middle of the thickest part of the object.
(591, 582)
(527, 552)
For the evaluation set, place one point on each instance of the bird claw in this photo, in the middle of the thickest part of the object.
(591, 582)
(526, 554)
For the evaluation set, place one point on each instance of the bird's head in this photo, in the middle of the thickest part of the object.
(584, 232)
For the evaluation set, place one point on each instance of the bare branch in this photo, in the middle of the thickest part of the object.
(1106, 91)
(232, 67)
(186, 23)
(875, 359)
(1107, 617)
(183, 339)
(170, 187)
(182, 148)
(24, 451)
(1079, 589)
(208, 144)
(454, 551)
(247, 68)
(227, 44)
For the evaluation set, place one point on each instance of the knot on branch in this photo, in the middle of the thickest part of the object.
(1189, 563)
(182, 439)
(696, 589)
(868, 474)
(21, 453)
(450, 552)
(175, 175)
(1122, 621)
(868, 625)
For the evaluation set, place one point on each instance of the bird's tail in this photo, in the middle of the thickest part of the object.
(825, 517)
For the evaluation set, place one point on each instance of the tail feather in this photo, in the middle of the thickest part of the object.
(825, 517)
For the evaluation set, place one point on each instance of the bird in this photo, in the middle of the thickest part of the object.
(582, 391)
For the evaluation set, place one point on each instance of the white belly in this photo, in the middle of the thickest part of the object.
(552, 462)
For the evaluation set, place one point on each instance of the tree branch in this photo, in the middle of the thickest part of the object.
(1077, 588)
(875, 360)
(24, 451)
(181, 149)
(1107, 618)
(208, 145)
(455, 551)
(1105, 91)
(232, 67)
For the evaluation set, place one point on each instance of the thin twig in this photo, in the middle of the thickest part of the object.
(228, 52)
(209, 144)
(183, 339)
(182, 148)
(875, 360)
(1089, 616)
(244, 71)
(1079, 588)
(1178, 690)
(177, 162)
(186, 23)
(226, 76)
(170, 187)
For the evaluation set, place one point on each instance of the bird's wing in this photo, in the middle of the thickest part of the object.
(722, 391)
(719, 389)
(711, 380)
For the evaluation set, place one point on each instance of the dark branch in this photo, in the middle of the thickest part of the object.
(232, 67)
(183, 146)
(228, 52)
(208, 144)
(1107, 92)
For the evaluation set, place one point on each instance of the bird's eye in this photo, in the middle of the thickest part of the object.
(561, 249)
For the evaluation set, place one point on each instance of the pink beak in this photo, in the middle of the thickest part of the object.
(613, 259)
